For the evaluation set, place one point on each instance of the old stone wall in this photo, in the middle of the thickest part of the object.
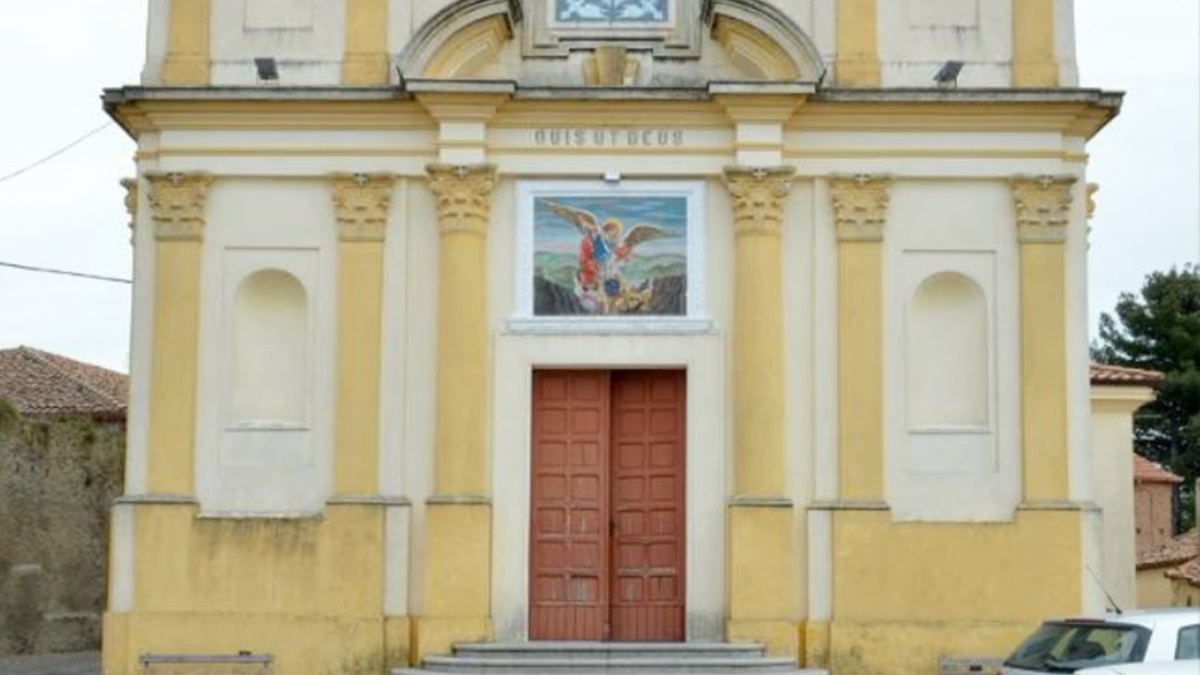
(57, 480)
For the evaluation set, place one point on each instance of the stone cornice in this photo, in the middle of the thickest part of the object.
(464, 196)
(758, 196)
(177, 205)
(860, 206)
(361, 202)
(1043, 206)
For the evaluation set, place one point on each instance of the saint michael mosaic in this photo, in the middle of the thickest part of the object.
(610, 255)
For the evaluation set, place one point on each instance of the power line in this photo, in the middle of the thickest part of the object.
(48, 270)
(58, 152)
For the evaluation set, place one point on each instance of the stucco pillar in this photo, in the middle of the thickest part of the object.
(361, 204)
(458, 516)
(177, 205)
(762, 553)
(187, 61)
(1042, 213)
(1034, 61)
(365, 61)
(857, 61)
(860, 213)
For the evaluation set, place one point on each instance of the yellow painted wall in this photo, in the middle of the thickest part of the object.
(906, 594)
(307, 591)
(1154, 588)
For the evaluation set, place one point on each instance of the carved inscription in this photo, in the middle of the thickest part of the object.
(608, 138)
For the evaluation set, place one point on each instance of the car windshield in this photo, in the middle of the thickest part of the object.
(1067, 646)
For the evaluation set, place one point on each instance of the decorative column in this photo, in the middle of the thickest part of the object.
(1035, 63)
(762, 554)
(365, 61)
(458, 516)
(177, 206)
(187, 43)
(857, 61)
(361, 202)
(860, 212)
(1043, 212)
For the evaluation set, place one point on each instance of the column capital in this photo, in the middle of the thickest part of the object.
(860, 205)
(758, 197)
(361, 202)
(1092, 189)
(464, 196)
(131, 204)
(1043, 205)
(177, 205)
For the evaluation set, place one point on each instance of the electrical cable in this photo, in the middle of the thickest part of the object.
(58, 152)
(49, 270)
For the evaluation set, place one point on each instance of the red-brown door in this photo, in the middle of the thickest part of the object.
(607, 538)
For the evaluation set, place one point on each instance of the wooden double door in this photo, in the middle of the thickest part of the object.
(607, 547)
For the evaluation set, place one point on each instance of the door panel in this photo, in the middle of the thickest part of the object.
(569, 538)
(648, 505)
(607, 534)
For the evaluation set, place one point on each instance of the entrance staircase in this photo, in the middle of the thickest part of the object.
(610, 658)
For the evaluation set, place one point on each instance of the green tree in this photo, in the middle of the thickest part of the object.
(1160, 330)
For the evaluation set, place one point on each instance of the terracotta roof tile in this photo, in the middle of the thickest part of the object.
(39, 383)
(1103, 373)
(1189, 572)
(1180, 550)
(1145, 471)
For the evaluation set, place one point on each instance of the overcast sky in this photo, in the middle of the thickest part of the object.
(56, 56)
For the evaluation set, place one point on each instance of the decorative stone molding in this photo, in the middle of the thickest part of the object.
(758, 197)
(177, 205)
(464, 196)
(860, 205)
(1043, 206)
(361, 202)
(610, 67)
(131, 205)
(1092, 189)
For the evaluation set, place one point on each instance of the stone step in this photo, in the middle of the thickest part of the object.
(607, 650)
(607, 658)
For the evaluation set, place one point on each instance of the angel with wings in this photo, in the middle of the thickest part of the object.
(604, 247)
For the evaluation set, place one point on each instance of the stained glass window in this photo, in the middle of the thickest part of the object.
(612, 11)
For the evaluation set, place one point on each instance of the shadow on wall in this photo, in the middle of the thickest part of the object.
(57, 481)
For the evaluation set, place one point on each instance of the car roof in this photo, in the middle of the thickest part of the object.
(1180, 616)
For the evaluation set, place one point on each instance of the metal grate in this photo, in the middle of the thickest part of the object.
(242, 663)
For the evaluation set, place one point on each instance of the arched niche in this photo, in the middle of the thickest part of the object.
(948, 383)
(270, 352)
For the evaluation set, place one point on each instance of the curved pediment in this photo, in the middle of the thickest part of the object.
(713, 41)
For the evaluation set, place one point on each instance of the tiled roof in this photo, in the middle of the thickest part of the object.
(39, 383)
(1179, 551)
(1189, 572)
(1145, 471)
(1102, 373)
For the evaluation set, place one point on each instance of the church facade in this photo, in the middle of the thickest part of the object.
(613, 320)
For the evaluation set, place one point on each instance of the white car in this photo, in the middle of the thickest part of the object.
(1073, 645)
(1186, 667)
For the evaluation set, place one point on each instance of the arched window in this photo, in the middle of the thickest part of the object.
(269, 378)
(948, 355)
